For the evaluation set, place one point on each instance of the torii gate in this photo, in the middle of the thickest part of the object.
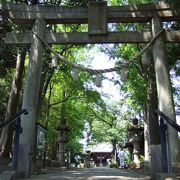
(97, 15)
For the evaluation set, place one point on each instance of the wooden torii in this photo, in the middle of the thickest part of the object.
(97, 15)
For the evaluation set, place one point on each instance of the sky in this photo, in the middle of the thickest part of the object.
(101, 61)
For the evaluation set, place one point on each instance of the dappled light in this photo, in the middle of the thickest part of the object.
(91, 174)
(76, 127)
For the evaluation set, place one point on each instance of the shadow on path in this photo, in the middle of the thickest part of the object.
(89, 174)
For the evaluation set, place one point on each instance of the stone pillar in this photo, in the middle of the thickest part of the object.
(30, 99)
(165, 98)
(155, 160)
(136, 151)
(61, 155)
(87, 160)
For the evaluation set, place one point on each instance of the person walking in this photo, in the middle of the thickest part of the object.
(121, 156)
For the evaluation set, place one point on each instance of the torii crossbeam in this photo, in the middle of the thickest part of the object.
(141, 13)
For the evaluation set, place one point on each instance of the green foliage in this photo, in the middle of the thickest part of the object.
(73, 3)
(142, 158)
(123, 2)
(108, 123)
(74, 146)
(78, 98)
(7, 58)
(114, 165)
(135, 85)
(5, 87)
(173, 57)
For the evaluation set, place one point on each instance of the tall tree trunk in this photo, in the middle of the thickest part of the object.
(47, 78)
(114, 143)
(43, 89)
(13, 102)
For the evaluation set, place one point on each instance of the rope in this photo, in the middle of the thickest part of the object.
(98, 71)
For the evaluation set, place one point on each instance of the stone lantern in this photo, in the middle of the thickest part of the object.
(136, 140)
(63, 139)
(87, 159)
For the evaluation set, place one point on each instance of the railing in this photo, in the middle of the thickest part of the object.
(18, 131)
(168, 120)
(163, 138)
(11, 120)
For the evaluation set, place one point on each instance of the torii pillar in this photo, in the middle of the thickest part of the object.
(165, 97)
(30, 99)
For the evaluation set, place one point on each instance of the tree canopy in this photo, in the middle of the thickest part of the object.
(84, 104)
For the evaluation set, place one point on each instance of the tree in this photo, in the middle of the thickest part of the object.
(13, 103)
(109, 124)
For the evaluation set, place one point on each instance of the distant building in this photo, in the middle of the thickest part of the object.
(100, 154)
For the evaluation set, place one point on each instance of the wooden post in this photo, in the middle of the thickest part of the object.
(146, 136)
(30, 99)
(164, 159)
(165, 97)
(16, 146)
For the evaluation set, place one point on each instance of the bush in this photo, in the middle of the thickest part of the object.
(142, 158)
(113, 165)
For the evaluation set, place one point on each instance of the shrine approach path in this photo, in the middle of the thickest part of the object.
(99, 173)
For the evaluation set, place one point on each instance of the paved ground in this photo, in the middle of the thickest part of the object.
(90, 174)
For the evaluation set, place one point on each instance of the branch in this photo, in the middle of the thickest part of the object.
(64, 100)
(101, 119)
